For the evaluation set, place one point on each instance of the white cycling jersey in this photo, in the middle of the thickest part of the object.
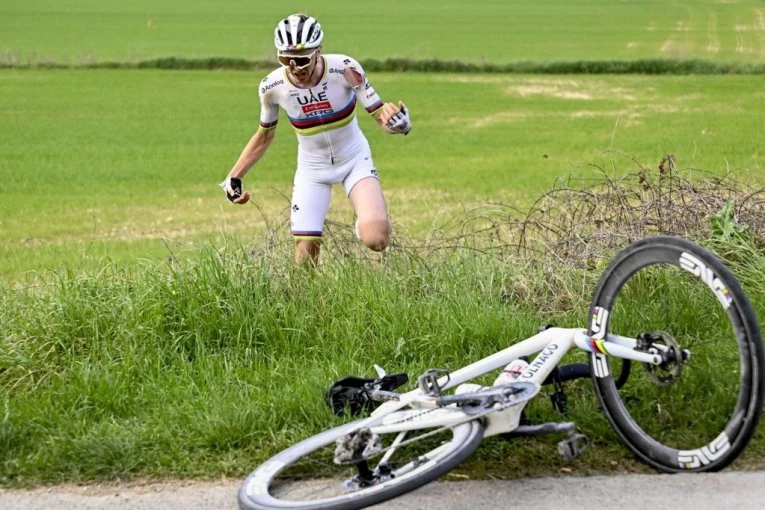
(331, 147)
(323, 116)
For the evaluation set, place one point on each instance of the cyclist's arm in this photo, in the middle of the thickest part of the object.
(261, 140)
(367, 96)
(253, 151)
(380, 111)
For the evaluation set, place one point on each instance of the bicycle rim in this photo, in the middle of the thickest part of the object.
(305, 476)
(693, 415)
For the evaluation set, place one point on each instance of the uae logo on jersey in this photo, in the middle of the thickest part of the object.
(313, 103)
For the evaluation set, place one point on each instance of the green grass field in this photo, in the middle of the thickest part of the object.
(496, 31)
(111, 162)
(144, 329)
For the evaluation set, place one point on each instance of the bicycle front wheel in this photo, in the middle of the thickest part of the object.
(698, 409)
(305, 475)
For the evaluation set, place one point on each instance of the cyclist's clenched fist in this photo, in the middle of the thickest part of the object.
(395, 118)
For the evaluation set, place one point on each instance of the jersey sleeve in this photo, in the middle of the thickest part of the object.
(365, 94)
(269, 107)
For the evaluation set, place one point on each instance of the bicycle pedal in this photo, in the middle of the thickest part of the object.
(428, 382)
(573, 446)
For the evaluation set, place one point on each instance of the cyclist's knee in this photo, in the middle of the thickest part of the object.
(375, 234)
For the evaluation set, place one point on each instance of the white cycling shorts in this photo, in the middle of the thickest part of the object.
(312, 191)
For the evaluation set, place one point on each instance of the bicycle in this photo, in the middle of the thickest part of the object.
(415, 437)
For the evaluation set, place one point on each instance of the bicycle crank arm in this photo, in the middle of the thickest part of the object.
(542, 429)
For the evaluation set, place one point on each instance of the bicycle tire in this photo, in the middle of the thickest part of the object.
(654, 412)
(258, 490)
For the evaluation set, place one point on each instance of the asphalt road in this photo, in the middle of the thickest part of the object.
(715, 491)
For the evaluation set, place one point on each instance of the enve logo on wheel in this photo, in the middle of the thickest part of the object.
(697, 268)
(691, 459)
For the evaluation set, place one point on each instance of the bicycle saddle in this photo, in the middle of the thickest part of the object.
(353, 393)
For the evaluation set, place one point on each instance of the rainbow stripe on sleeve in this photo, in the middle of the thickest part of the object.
(373, 108)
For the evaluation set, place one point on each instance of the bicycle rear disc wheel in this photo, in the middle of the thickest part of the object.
(694, 414)
(304, 476)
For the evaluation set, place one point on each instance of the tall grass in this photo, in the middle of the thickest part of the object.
(205, 366)
(642, 66)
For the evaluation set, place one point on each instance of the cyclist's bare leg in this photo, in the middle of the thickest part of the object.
(371, 213)
(307, 251)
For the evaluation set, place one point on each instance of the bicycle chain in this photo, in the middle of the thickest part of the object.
(436, 431)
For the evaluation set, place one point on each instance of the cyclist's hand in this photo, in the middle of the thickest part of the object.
(232, 187)
(396, 118)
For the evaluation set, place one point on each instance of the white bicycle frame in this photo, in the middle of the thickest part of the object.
(550, 346)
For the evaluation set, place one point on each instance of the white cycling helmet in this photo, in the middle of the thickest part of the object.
(298, 32)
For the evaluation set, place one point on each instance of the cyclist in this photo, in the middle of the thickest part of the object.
(319, 92)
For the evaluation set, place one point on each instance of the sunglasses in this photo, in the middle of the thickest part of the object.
(299, 61)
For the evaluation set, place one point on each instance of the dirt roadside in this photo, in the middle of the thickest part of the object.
(742, 490)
